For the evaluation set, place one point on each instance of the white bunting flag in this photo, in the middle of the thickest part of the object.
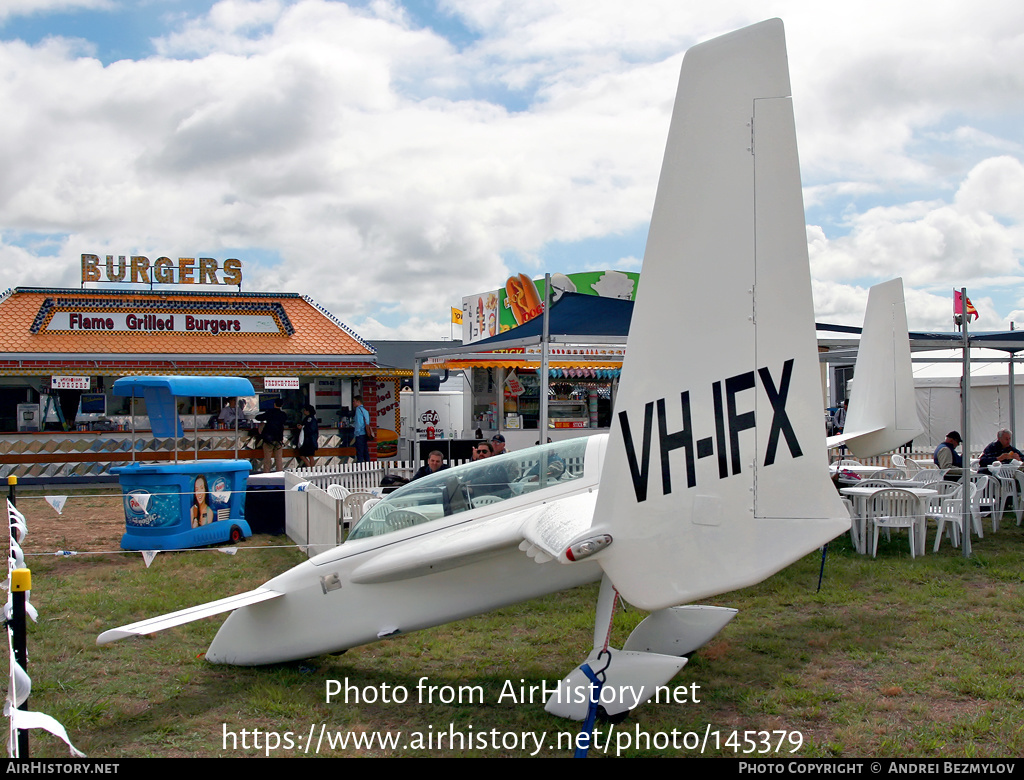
(57, 502)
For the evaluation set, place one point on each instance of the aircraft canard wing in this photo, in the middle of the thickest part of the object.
(188, 615)
(538, 531)
(883, 408)
(715, 475)
(549, 531)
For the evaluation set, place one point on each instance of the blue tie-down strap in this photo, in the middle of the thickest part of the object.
(597, 680)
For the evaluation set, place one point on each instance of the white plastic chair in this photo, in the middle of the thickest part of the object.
(978, 501)
(1019, 510)
(874, 483)
(929, 476)
(352, 506)
(1005, 489)
(989, 494)
(899, 462)
(478, 501)
(894, 508)
(338, 491)
(403, 518)
(854, 524)
(893, 475)
(949, 511)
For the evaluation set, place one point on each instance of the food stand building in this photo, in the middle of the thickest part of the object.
(62, 349)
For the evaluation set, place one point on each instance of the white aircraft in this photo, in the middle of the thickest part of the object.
(714, 475)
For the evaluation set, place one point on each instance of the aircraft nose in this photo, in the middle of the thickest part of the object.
(238, 641)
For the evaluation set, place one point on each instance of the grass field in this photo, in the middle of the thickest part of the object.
(893, 658)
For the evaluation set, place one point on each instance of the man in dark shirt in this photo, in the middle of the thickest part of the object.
(1000, 450)
(498, 444)
(273, 436)
(946, 456)
(435, 463)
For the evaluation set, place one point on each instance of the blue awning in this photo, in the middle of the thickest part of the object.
(160, 391)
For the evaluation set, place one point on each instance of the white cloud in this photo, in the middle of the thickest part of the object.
(12, 8)
(978, 239)
(377, 159)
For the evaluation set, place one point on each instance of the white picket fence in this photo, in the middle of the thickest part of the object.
(313, 518)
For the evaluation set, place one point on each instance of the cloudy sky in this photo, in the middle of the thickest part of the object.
(389, 157)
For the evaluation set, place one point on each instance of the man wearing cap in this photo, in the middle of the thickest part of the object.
(498, 444)
(946, 456)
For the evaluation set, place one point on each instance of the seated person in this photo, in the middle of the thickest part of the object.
(1000, 450)
(435, 463)
(946, 456)
(555, 470)
(490, 481)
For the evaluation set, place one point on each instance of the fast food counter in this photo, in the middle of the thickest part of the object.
(77, 454)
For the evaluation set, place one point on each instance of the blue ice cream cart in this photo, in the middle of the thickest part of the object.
(172, 506)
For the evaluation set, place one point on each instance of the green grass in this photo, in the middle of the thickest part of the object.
(894, 657)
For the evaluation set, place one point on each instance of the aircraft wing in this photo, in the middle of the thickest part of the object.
(187, 615)
(543, 532)
(550, 530)
(838, 441)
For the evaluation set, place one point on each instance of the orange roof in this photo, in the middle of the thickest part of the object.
(303, 327)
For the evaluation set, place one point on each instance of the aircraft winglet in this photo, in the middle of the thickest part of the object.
(883, 410)
(715, 475)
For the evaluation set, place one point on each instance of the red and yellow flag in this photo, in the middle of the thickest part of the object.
(958, 307)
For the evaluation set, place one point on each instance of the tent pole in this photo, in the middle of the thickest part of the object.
(965, 503)
(1013, 395)
(542, 422)
(414, 438)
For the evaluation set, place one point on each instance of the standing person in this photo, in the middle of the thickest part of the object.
(839, 418)
(309, 436)
(273, 435)
(364, 432)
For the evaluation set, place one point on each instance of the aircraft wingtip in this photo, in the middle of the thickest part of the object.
(113, 635)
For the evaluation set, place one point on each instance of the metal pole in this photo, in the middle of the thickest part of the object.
(195, 424)
(414, 438)
(965, 503)
(21, 584)
(1013, 395)
(131, 408)
(542, 423)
